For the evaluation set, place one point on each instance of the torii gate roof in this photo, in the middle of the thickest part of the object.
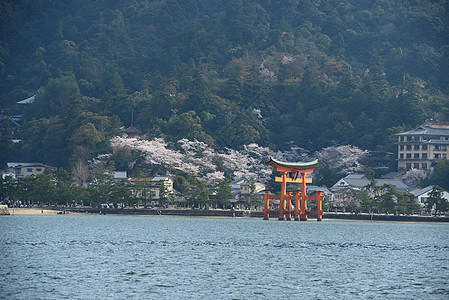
(294, 165)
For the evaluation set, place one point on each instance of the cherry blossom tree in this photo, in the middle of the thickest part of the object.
(199, 158)
(343, 159)
(413, 177)
(196, 157)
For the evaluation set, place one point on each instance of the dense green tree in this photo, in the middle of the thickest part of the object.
(327, 176)
(40, 189)
(33, 134)
(196, 193)
(100, 189)
(223, 194)
(406, 204)
(386, 199)
(440, 175)
(8, 188)
(436, 200)
(52, 97)
(6, 143)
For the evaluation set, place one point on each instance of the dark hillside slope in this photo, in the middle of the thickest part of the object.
(228, 73)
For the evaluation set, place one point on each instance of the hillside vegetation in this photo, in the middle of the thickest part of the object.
(313, 73)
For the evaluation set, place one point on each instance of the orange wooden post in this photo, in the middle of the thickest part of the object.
(296, 214)
(288, 214)
(319, 216)
(303, 216)
(266, 210)
(281, 210)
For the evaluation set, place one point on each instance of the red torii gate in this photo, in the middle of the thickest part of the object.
(290, 172)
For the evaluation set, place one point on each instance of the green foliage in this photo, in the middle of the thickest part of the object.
(51, 98)
(196, 192)
(6, 144)
(440, 175)
(436, 200)
(223, 194)
(8, 188)
(327, 176)
(320, 73)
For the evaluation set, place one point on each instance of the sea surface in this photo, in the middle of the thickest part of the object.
(155, 257)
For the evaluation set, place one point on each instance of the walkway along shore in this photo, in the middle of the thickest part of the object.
(220, 213)
(257, 214)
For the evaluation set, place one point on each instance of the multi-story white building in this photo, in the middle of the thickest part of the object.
(423, 147)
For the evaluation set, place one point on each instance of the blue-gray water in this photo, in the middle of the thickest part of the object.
(117, 257)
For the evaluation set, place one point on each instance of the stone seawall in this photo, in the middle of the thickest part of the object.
(380, 217)
(254, 214)
(166, 212)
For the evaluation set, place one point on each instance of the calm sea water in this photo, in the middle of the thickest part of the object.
(117, 257)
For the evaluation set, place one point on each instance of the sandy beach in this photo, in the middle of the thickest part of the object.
(32, 211)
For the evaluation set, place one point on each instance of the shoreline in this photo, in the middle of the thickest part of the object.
(44, 211)
(226, 213)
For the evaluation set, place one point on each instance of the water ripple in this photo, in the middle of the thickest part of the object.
(189, 258)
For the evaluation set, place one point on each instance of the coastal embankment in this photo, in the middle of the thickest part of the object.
(259, 214)
(224, 213)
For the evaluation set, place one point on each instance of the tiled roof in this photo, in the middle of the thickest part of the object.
(294, 165)
(360, 180)
(392, 175)
(426, 130)
(423, 191)
(159, 178)
(16, 165)
(27, 100)
(131, 129)
(439, 142)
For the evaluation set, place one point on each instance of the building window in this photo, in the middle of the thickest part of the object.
(437, 147)
(424, 147)
(409, 147)
(401, 155)
(444, 148)
(38, 169)
(401, 138)
(416, 147)
(416, 165)
(409, 138)
(416, 155)
(401, 147)
(29, 170)
(424, 155)
(444, 155)
(424, 165)
(408, 165)
(436, 155)
(409, 155)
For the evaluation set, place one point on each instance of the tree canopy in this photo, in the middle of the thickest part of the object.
(227, 73)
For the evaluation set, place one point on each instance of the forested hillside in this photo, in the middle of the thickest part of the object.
(313, 73)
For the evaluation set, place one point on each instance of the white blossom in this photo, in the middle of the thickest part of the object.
(343, 159)
(199, 158)
(286, 59)
(413, 177)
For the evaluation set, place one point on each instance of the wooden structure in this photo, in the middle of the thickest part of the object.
(131, 132)
(293, 173)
